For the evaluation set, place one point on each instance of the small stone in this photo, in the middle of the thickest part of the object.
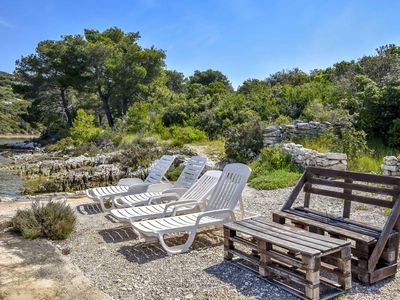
(336, 156)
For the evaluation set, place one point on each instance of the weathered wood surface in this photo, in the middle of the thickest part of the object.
(376, 250)
(290, 257)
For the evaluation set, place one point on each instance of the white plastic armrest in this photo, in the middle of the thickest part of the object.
(129, 181)
(212, 213)
(159, 187)
(163, 198)
(138, 188)
(178, 204)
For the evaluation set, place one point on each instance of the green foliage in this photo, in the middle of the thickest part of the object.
(174, 172)
(244, 142)
(186, 135)
(275, 179)
(366, 164)
(54, 220)
(84, 129)
(350, 141)
(61, 144)
(283, 120)
(272, 170)
(322, 143)
(394, 134)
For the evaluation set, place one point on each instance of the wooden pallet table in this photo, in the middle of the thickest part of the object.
(308, 265)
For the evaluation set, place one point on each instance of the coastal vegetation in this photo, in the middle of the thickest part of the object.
(103, 91)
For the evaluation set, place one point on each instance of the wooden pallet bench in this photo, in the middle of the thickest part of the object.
(374, 250)
(290, 257)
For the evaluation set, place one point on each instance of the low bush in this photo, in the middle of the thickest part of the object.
(61, 144)
(174, 172)
(54, 220)
(272, 170)
(366, 164)
(394, 134)
(244, 142)
(321, 143)
(185, 135)
(275, 179)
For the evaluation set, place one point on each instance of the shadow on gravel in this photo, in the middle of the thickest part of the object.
(246, 282)
(89, 209)
(145, 252)
(118, 235)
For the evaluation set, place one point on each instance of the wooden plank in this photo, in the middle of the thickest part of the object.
(353, 186)
(327, 227)
(351, 197)
(317, 238)
(336, 222)
(383, 273)
(354, 175)
(347, 203)
(243, 241)
(380, 245)
(273, 240)
(287, 236)
(296, 190)
(375, 229)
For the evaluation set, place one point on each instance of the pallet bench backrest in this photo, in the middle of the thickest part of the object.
(320, 181)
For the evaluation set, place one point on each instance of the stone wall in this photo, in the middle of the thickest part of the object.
(276, 134)
(307, 157)
(391, 166)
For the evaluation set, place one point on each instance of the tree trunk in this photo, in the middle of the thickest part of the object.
(107, 110)
(65, 107)
(125, 105)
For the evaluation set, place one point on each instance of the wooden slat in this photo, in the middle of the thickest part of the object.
(353, 186)
(286, 236)
(316, 238)
(351, 197)
(274, 240)
(296, 191)
(327, 227)
(354, 175)
(375, 229)
(347, 203)
(387, 229)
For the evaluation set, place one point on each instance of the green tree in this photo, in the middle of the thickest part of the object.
(84, 129)
(209, 76)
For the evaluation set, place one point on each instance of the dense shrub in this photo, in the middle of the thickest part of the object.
(84, 129)
(394, 134)
(184, 135)
(61, 144)
(54, 220)
(244, 142)
(273, 169)
(174, 172)
(350, 141)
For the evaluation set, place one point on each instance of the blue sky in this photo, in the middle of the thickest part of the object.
(243, 39)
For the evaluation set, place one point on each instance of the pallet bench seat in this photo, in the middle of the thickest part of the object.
(290, 257)
(374, 250)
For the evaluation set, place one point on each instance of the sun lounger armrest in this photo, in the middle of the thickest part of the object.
(159, 187)
(215, 213)
(129, 181)
(163, 198)
(138, 188)
(176, 205)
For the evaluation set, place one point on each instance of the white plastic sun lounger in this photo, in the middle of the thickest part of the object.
(192, 200)
(186, 179)
(218, 211)
(157, 173)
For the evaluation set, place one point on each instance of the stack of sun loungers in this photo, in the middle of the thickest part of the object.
(154, 207)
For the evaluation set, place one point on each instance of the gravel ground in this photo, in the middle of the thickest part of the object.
(123, 266)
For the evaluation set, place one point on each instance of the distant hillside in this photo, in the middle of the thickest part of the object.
(12, 107)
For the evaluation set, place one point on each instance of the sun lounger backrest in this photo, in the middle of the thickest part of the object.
(229, 188)
(202, 187)
(191, 172)
(159, 169)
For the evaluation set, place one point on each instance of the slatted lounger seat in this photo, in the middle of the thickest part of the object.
(193, 199)
(218, 210)
(375, 250)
